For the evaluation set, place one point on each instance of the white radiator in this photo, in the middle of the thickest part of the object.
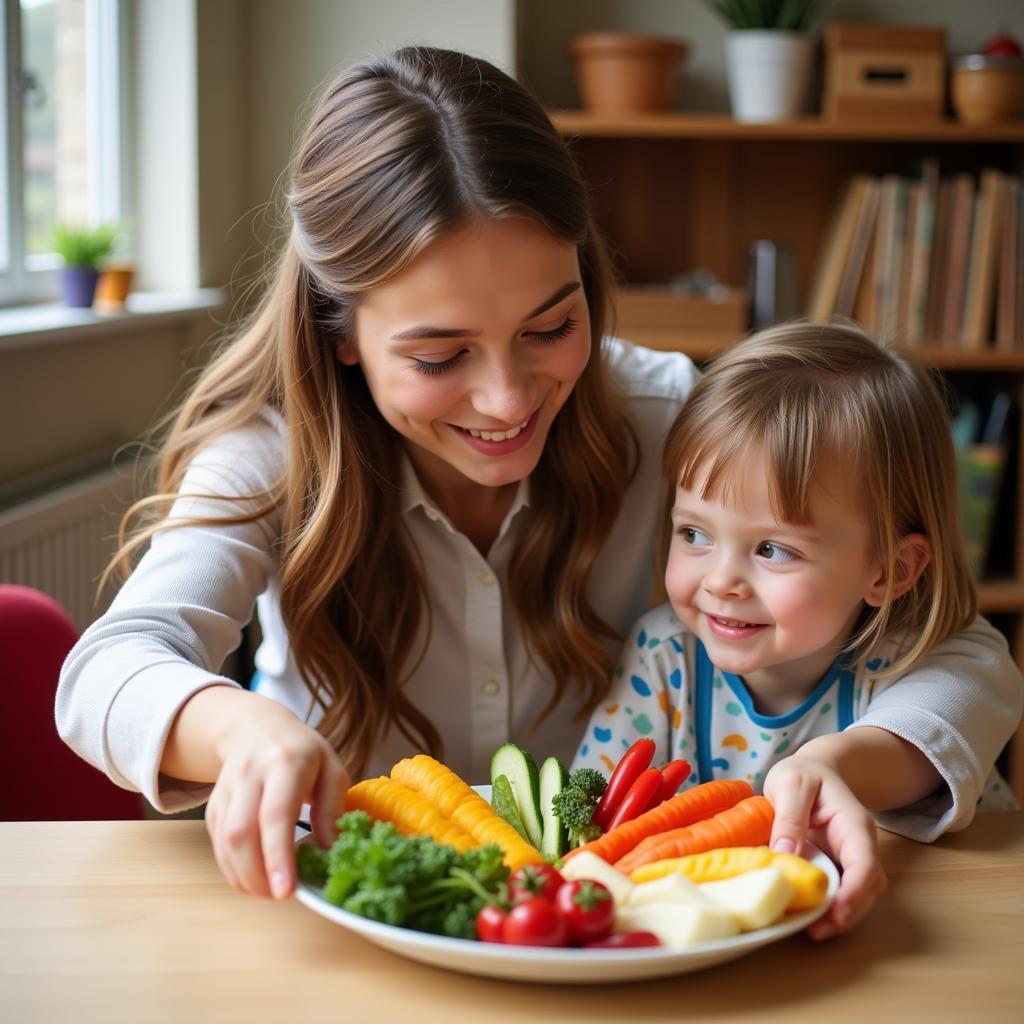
(60, 542)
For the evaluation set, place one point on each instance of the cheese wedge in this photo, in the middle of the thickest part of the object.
(757, 898)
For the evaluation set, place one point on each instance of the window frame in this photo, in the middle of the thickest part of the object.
(27, 278)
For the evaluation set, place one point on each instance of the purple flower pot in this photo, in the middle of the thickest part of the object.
(78, 285)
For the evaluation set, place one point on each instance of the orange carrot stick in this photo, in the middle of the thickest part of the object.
(747, 823)
(702, 801)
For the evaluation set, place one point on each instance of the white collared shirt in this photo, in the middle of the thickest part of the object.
(182, 611)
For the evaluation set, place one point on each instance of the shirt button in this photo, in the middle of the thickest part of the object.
(487, 579)
(492, 687)
(431, 515)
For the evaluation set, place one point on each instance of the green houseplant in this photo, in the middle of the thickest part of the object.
(768, 55)
(82, 249)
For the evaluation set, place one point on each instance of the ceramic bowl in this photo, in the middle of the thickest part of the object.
(987, 89)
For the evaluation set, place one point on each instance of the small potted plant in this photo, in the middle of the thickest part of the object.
(82, 250)
(768, 55)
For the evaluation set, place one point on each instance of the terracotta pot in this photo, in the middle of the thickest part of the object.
(987, 89)
(114, 285)
(619, 72)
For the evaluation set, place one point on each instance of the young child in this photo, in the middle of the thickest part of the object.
(815, 558)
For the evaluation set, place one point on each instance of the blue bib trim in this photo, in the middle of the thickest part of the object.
(704, 701)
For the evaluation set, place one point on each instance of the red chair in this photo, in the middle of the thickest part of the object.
(44, 779)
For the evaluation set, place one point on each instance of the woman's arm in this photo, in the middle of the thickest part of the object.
(266, 764)
(172, 624)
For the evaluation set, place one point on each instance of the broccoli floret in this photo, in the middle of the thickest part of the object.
(575, 805)
(590, 780)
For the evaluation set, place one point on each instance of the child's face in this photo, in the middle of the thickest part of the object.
(487, 330)
(772, 601)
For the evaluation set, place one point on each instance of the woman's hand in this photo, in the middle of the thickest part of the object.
(812, 801)
(270, 764)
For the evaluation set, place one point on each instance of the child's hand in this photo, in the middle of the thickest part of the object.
(812, 801)
(271, 763)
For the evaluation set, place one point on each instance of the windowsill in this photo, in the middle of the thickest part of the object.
(29, 326)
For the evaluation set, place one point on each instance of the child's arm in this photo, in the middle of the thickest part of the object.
(826, 790)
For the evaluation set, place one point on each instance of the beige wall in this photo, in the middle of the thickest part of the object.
(294, 47)
(62, 401)
(546, 28)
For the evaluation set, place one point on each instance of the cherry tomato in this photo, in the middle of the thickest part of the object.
(489, 921)
(531, 880)
(535, 922)
(625, 940)
(588, 909)
(638, 799)
(627, 771)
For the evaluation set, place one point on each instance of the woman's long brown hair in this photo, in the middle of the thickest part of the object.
(399, 151)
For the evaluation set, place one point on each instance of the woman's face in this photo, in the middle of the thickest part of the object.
(472, 350)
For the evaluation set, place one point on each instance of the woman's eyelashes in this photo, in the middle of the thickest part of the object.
(566, 327)
(563, 330)
(424, 366)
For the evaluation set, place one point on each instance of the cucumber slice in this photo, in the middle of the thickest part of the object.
(503, 800)
(554, 777)
(521, 771)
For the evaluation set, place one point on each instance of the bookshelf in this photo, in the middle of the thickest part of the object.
(677, 191)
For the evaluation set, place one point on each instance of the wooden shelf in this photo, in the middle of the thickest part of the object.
(721, 126)
(1001, 596)
(706, 344)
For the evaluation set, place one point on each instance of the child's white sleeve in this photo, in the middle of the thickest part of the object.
(643, 699)
(959, 705)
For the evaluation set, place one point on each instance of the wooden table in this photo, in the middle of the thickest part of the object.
(131, 921)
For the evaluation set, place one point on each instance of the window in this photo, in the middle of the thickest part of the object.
(62, 144)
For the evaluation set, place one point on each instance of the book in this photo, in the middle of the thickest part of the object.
(1009, 269)
(888, 271)
(1020, 267)
(936, 270)
(980, 471)
(856, 264)
(955, 275)
(921, 238)
(836, 251)
(976, 325)
(901, 317)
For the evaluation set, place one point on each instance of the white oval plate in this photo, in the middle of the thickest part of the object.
(572, 966)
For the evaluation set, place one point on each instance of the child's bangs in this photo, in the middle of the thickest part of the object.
(723, 455)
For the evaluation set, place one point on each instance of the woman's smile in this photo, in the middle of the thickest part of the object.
(500, 442)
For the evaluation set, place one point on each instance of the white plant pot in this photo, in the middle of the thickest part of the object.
(768, 73)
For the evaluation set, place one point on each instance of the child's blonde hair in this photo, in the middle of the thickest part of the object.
(813, 395)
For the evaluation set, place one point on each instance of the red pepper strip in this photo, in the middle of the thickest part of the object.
(637, 799)
(632, 763)
(673, 775)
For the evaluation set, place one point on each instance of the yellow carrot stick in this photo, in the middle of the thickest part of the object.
(464, 806)
(409, 812)
(809, 882)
